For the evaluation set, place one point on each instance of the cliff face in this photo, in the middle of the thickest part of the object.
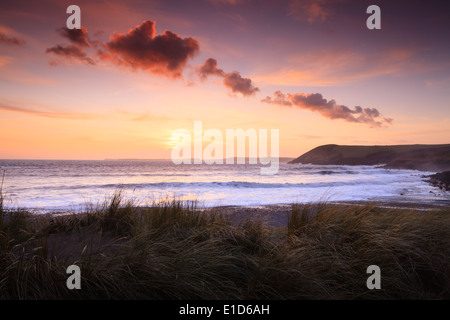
(420, 157)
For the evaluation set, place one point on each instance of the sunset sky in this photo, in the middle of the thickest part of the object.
(138, 70)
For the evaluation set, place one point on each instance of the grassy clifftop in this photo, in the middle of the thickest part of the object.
(418, 156)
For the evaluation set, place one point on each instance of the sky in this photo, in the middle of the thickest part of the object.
(137, 71)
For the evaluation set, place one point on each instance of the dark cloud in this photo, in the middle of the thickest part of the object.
(329, 108)
(141, 48)
(78, 37)
(237, 83)
(12, 41)
(76, 50)
(70, 52)
(165, 54)
(210, 68)
(232, 80)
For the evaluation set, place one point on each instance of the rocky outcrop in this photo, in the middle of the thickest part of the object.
(441, 180)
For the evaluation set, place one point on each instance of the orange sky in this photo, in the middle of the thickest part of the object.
(122, 96)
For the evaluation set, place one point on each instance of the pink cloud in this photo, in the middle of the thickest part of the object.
(232, 80)
(329, 108)
(165, 54)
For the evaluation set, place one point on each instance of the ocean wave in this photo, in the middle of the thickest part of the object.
(208, 185)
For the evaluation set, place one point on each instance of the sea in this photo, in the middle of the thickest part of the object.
(43, 186)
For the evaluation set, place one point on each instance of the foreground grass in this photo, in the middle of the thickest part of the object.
(171, 250)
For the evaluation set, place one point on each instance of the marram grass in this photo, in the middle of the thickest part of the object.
(172, 250)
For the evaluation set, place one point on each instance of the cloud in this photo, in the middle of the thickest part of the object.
(280, 98)
(236, 83)
(70, 52)
(78, 37)
(165, 54)
(210, 68)
(12, 41)
(142, 49)
(312, 11)
(76, 50)
(232, 80)
(50, 114)
(329, 108)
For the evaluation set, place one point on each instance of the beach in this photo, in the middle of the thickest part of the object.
(277, 215)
